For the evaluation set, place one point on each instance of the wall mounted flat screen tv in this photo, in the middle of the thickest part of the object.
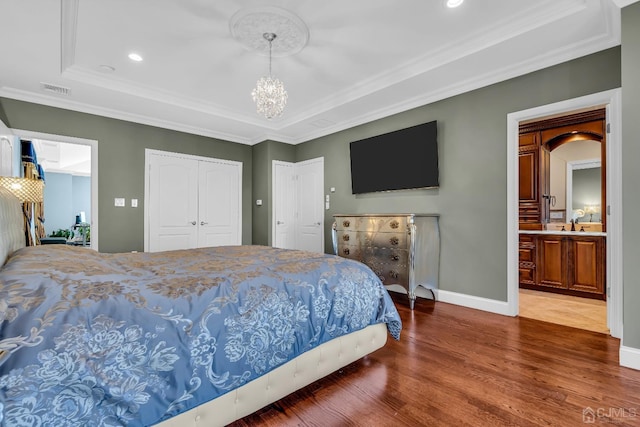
(400, 160)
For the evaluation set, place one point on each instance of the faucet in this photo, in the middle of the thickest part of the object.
(573, 225)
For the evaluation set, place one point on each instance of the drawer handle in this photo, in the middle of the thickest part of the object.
(394, 224)
(345, 237)
(395, 258)
(394, 274)
(394, 240)
(346, 223)
(346, 251)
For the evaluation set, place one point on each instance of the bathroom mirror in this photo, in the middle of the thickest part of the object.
(575, 181)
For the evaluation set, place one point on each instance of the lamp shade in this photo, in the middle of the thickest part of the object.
(25, 189)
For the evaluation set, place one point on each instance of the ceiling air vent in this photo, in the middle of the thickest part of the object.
(60, 90)
(322, 123)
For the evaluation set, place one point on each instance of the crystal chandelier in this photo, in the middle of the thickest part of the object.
(269, 94)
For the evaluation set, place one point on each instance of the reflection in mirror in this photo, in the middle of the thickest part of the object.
(583, 193)
(575, 181)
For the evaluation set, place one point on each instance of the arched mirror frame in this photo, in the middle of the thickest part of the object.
(592, 130)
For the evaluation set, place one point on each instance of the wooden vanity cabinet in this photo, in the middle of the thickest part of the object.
(529, 173)
(586, 265)
(527, 259)
(569, 264)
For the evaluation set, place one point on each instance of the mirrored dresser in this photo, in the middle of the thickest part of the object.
(402, 249)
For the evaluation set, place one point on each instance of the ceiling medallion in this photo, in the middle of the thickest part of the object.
(248, 26)
(251, 27)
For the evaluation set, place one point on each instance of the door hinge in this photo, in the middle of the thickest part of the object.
(608, 127)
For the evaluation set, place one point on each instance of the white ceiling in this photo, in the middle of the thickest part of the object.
(61, 157)
(364, 60)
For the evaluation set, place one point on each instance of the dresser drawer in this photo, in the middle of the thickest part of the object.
(390, 274)
(527, 254)
(373, 224)
(386, 240)
(390, 256)
(372, 239)
(351, 251)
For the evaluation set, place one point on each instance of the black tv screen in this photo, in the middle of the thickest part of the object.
(400, 160)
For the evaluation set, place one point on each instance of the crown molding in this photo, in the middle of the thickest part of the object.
(585, 47)
(80, 107)
(624, 3)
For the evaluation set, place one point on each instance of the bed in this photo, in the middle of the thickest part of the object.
(194, 337)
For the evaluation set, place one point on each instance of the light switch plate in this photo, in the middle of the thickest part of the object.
(119, 201)
(134, 203)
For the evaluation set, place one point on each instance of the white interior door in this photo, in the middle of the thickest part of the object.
(219, 203)
(298, 203)
(284, 205)
(172, 203)
(309, 225)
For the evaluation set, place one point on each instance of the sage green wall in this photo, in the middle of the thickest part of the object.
(121, 146)
(263, 156)
(631, 173)
(472, 139)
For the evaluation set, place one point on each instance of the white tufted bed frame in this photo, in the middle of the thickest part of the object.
(284, 380)
(262, 391)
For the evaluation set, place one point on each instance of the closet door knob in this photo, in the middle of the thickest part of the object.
(203, 223)
(193, 223)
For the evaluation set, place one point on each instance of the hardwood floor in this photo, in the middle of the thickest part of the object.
(455, 366)
(582, 313)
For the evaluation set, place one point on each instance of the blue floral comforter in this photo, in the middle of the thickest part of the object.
(89, 339)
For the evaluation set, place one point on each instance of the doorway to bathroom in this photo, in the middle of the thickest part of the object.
(566, 247)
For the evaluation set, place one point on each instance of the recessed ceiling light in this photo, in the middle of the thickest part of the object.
(454, 3)
(135, 57)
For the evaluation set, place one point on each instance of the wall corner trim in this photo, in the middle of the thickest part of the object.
(630, 357)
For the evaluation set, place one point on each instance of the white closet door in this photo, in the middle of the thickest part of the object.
(284, 205)
(309, 224)
(173, 203)
(219, 203)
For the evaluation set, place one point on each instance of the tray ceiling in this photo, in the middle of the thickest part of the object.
(363, 59)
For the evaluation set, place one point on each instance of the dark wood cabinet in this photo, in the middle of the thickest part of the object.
(527, 259)
(569, 264)
(529, 173)
(586, 265)
(533, 163)
(552, 261)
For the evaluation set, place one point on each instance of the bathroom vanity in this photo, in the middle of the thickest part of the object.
(567, 262)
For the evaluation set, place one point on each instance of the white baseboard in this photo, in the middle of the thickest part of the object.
(479, 303)
(630, 357)
(470, 301)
